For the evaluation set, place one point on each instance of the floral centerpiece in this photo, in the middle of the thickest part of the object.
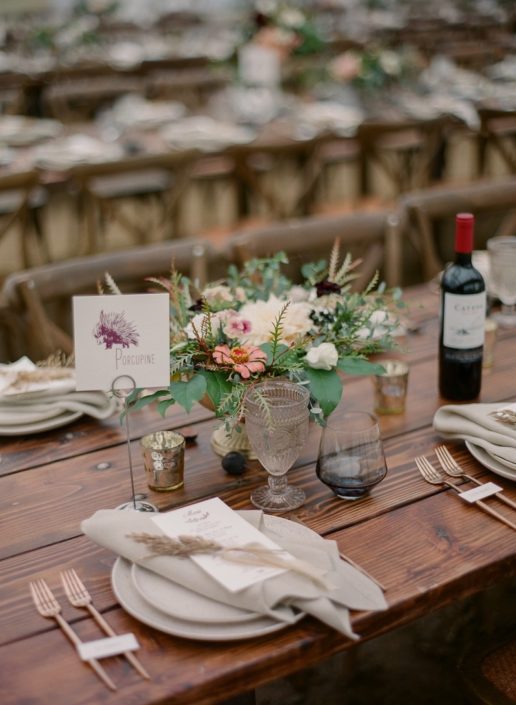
(257, 325)
(284, 27)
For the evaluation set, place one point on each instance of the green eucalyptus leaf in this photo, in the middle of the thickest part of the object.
(325, 387)
(217, 385)
(186, 393)
(359, 366)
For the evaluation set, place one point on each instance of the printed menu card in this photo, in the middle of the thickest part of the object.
(213, 519)
(121, 337)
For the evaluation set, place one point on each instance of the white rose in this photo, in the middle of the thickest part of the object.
(323, 356)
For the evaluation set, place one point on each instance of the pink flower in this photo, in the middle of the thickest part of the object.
(244, 359)
(236, 327)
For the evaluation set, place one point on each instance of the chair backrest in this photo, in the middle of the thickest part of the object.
(428, 218)
(16, 189)
(372, 237)
(498, 131)
(406, 151)
(42, 297)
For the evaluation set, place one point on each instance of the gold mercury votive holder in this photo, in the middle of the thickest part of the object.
(164, 460)
(390, 388)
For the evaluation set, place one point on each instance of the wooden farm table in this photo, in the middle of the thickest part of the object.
(424, 544)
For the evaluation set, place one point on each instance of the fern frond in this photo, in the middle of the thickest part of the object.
(373, 283)
(277, 330)
(334, 260)
(111, 284)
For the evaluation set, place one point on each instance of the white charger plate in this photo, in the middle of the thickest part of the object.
(133, 603)
(489, 462)
(41, 426)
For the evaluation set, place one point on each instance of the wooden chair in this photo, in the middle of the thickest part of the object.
(408, 153)
(79, 99)
(428, 217)
(497, 133)
(489, 673)
(21, 201)
(104, 191)
(40, 298)
(372, 237)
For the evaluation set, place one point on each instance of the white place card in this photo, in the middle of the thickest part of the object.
(121, 336)
(480, 492)
(213, 519)
(110, 646)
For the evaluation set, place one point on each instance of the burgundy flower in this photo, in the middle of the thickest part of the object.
(326, 287)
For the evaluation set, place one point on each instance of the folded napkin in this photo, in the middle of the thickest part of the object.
(474, 423)
(348, 588)
(35, 409)
(31, 394)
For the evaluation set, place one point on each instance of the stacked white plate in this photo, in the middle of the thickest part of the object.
(33, 400)
(504, 468)
(173, 609)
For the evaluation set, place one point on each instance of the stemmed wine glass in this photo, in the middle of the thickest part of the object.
(276, 419)
(502, 276)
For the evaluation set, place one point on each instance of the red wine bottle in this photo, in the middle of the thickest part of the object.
(463, 313)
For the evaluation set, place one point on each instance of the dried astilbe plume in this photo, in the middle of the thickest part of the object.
(250, 554)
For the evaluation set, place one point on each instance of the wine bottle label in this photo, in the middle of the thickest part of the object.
(464, 320)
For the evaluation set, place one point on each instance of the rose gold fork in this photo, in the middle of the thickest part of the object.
(434, 476)
(79, 597)
(451, 467)
(48, 606)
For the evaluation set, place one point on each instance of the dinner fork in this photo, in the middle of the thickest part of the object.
(48, 606)
(79, 596)
(451, 467)
(435, 477)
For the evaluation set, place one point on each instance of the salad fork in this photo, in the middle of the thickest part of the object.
(79, 596)
(48, 606)
(435, 477)
(452, 468)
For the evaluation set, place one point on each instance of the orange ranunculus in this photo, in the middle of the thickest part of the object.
(245, 359)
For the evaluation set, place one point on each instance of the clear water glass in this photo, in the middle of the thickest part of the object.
(502, 277)
(276, 419)
(351, 459)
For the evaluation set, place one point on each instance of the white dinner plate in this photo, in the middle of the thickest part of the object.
(181, 603)
(41, 426)
(131, 600)
(489, 462)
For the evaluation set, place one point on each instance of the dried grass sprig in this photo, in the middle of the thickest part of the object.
(248, 554)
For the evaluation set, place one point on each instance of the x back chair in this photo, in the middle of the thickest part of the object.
(498, 133)
(106, 190)
(428, 218)
(371, 237)
(21, 201)
(79, 99)
(41, 297)
(406, 152)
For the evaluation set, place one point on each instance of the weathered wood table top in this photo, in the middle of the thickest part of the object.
(425, 545)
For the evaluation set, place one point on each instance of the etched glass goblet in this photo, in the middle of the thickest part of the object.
(276, 419)
(502, 270)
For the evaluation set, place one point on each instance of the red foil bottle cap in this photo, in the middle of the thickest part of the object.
(464, 223)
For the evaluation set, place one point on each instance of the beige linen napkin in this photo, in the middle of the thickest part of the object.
(34, 409)
(473, 423)
(350, 589)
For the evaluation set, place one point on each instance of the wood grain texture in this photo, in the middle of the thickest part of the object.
(426, 545)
